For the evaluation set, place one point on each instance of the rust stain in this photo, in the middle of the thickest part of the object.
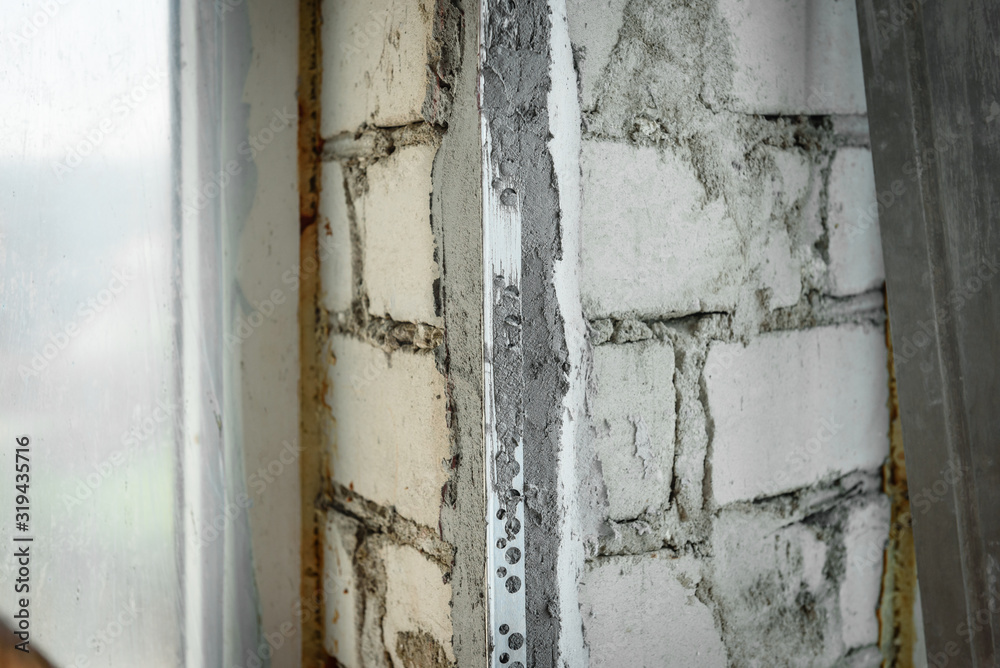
(899, 581)
(311, 387)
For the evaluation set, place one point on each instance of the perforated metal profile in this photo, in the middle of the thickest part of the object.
(503, 395)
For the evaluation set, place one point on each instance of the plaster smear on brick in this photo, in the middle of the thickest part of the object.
(632, 407)
(792, 408)
(656, 241)
(644, 611)
(689, 207)
(780, 578)
(773, 585)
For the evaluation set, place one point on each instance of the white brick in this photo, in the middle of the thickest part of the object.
(390, 438)
(642, 611)
(341, 599)
(653, 243)
(768, 579)
(399, 265)
(852, 220)
(335, 241)
(864, 543)
(793, 408)
(375, 60)
(633, 407)
(795, 56)
(593, 28)
(416, 599)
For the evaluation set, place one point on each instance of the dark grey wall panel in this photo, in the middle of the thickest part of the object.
(932, 74)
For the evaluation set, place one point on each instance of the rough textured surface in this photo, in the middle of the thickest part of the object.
(456, 206)
(793, 408)
(713, 216)
(515, 71)
(645, 611)
(632, 406)
(375, 64)
(400, 473)
(390, 438)
(727, 316)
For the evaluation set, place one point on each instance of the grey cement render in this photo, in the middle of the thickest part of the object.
(456, 214)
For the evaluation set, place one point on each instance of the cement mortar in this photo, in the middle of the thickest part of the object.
(456, 207)
(665, 85)
(515, 66)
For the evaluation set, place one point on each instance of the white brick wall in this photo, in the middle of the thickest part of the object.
(795, 56)
(643, 611)
(417, 599)
(793, 408)
(632, 408)
(375, 60)
(399, 249)
(653, 243)
(390, 438)
(852, 220)
(387, 434)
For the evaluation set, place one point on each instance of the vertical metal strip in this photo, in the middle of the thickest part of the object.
(503, 395)
(932, 78)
